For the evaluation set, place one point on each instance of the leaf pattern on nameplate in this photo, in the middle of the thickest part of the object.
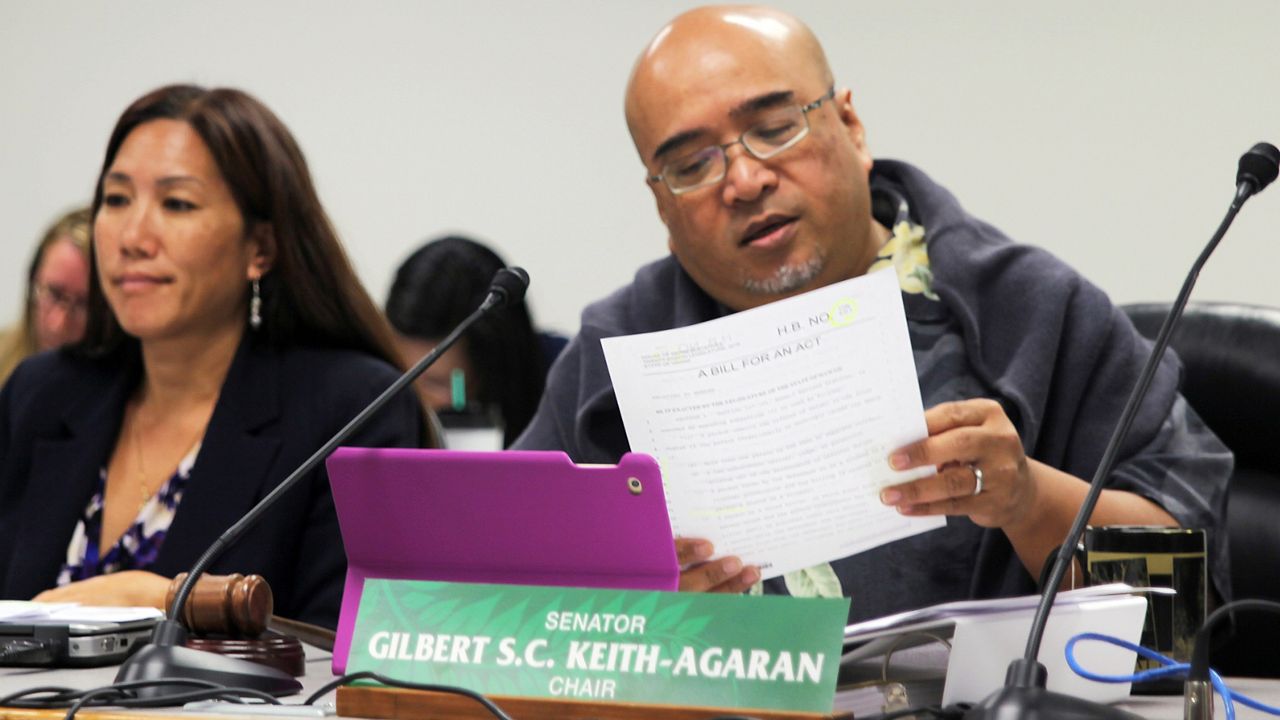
(664, 621)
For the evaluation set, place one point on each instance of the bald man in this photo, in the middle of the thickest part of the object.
(761, 172)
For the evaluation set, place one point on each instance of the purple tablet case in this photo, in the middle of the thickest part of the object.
(518, 517)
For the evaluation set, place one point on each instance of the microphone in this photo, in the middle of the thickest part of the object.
(1024, 694)
(1258, 167)
(166, 657)
(509, 285)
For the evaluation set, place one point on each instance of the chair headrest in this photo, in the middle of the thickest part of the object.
(1231, 356)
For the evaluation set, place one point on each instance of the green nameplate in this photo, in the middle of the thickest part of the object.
(768, 652)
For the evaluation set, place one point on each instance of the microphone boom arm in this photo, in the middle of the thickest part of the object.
(1024, 694)
(234, 532)
(166, 657)
(508, 287)
(1066, 553)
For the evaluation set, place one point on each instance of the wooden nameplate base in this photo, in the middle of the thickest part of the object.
(405, 704)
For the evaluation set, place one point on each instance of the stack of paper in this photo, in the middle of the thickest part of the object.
(982, 636)
(944, 615)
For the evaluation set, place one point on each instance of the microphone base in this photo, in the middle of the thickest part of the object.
(1037, 703)
(167, 659)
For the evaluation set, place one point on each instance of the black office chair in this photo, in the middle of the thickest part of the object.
(1232, 357)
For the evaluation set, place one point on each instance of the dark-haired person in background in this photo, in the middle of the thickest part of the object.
(57, 284)
(501, 363)
(227, 339)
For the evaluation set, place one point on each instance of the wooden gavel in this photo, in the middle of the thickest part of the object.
(233, 605)
(239, 606)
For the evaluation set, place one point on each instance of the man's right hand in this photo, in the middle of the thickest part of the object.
(698, 573)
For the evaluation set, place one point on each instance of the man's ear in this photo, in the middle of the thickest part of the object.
(853, 127)
(262, 247)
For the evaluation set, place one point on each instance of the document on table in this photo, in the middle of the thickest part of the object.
(26, 611)
(773, 426)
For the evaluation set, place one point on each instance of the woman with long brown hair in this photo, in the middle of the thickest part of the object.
(227, 339)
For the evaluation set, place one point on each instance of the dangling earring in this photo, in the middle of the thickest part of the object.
(255, 306)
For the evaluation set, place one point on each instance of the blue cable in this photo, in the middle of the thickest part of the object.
(1171, 668)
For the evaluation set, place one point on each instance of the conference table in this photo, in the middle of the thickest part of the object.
(318, 673)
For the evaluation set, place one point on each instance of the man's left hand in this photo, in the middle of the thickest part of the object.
(965, 438)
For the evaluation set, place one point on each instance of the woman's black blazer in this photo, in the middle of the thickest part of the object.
(60, 415)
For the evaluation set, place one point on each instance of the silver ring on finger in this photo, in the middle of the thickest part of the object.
(977, 478)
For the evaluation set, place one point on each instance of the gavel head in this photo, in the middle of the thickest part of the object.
(237, 606)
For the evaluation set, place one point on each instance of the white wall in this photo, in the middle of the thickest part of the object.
(1107, 132)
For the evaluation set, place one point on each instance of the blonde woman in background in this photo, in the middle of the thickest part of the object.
(57, 293)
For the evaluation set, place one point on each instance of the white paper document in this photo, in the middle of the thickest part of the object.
(773, 426)
(20, 611)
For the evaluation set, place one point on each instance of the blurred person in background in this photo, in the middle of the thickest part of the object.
(56, 295)
(498, 368)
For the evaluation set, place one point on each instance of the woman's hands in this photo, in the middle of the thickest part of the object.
(128, 587)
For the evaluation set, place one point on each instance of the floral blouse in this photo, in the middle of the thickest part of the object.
(138, 546)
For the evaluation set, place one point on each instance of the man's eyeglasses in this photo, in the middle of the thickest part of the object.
(777, 130)
(51, 296)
